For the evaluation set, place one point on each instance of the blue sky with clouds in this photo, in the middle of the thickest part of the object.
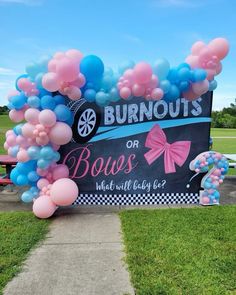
(115, 31)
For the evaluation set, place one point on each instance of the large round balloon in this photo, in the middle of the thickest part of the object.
(43, 207)
(92, 68)
(64, 192)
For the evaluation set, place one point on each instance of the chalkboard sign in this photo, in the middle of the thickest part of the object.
(137, 152)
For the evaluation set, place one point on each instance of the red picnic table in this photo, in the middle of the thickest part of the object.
(9, 163)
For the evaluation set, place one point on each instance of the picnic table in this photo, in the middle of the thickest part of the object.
(9, 163)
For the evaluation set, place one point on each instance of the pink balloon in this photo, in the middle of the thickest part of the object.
(219, 47)
(129, 75)
(42, 183)
(52, 65)
(125, 92)
(43, 207)
(74, 54)
(157, 93)
(10, 132)
(193, 61)
(47, 118)
(74, 92)
(67, 69)
(42, 140)
(57, 136)
(32, 116)
(138, 90)
(51, 82)
(59, 55)
(24, 84)
(200, 87)
(28, 130)
(210, 74)
(62, 197)
(60, 171)
(11, 140)
(22, 156)
(42, 172)
(218, 68)
(197, 47)
(16, 116)
(20, 139)
(154, 82)
(142, 73)
(6, 146)
(190, 95)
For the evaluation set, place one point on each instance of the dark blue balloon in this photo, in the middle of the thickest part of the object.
(184, 86)
(70, 121)
(92, 67)
(62, 112)
(22, 179)
(59, 99)
(48, 102)
(18, 101)
(199, 75)
(43, 92)
(184, 74)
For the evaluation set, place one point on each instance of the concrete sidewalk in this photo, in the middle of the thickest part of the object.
(83, 254)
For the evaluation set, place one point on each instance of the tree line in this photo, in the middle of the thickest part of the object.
(225, 118)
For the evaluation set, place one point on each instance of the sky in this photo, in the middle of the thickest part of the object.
(116, 31)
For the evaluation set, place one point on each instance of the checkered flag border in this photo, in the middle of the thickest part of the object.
(137, 199)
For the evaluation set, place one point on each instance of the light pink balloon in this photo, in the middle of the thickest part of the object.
(42, 140)
(138, 90)
(16, 116)
(10, 132)
(43, 207)
(28, 130)
(22, 156)
(74, 54)
(129, 75)
(74, 93)
(32, 116)
(142, 73)
(20, 139)
(219, 47)
(80, 81)
(42, 172)
(6, 146)
(193, 61)
(197, 47)
(11, 140)
(157, 94)
(52, 65)
(210, 74)
(60, 171)
(60, 133)
(47, 118)
(67, 69)
(59, 55)
(42, 183)
(51, 82)
(24, 84)
(200, 87)
(61, 196)
(125, 92)
(154, 82)
(218, 68)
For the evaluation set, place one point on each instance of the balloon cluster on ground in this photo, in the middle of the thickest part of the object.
(214, 178)
(39, 105)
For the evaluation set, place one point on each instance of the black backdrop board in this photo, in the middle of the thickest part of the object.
(137, 152)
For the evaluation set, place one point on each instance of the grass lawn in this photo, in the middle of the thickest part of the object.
(218, 132)
(19, 232)
(181, 251)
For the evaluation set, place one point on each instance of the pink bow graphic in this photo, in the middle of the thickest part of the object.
(174, 153)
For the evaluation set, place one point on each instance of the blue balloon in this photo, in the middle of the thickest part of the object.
(173, 75)
(47, 153)
(18, 101)
(32, 69)
(38, 80)
(13, 175)
(212, 85)
(70, 121)
(173, 93)
(161, 68)
(114, 95)
(34, 102)
(90, 95)
(184, 74)
(27, 197)
(165, 85)
(33, 152)
(62, 112)
(107, 83)
(22, 179)
(102, 98)
(59, 99)
(14, 150)
(108, 72)
(18, 129)
(56, 157)
(92, 67)
(199, 75)
(33, 176)
(18, 78)
(184, 65)
(10, 106)
(125, 65)
(43, 164)
(43, 92)
(184, 86)
(48, 102)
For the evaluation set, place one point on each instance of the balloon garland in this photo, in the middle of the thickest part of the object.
(39, 101)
